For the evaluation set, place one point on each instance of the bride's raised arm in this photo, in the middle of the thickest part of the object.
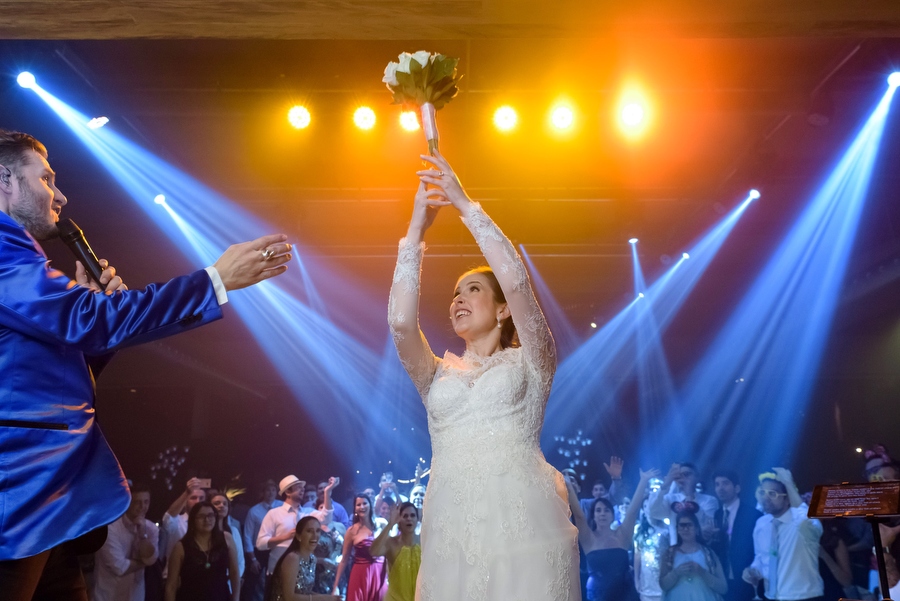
(403, 307)
(531, 326)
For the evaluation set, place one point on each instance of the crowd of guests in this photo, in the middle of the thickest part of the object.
(669, 541)
(296, 543)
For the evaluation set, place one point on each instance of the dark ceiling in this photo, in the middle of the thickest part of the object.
(732, 86)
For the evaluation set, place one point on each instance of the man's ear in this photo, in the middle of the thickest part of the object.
(6, 188)
(5, 178)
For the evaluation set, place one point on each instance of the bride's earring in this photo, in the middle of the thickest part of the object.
(499, 324)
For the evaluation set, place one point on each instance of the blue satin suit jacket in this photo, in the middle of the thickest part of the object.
(58, 477)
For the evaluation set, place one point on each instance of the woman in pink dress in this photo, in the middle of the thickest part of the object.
(367, 576)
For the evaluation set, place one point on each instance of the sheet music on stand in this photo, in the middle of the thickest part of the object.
(874, 501)
(856, 500)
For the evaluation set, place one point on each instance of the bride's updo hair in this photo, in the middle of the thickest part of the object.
(508, 335)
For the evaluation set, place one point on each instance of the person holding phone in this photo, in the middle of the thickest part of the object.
(175, 520)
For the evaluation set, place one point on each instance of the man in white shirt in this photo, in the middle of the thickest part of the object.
(681, 484)
(785, 542)
(174, 521)
(277, 528)
(255, 581)
(131, 545)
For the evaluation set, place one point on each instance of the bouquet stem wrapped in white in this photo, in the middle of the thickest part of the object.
(425, 81)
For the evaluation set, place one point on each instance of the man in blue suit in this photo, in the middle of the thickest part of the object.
(59, 480)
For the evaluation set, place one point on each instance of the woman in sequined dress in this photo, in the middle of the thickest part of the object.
(294, 577)
(650, 541)
(331, 541)
(496, 523)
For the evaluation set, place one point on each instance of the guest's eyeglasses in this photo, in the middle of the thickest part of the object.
(772, 494)
(685, 525)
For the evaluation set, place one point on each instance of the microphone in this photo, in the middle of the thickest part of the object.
(73, 237)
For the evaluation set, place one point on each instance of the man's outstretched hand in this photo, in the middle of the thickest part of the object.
(249, 263)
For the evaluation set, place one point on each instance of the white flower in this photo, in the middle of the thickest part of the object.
(404, 57)
(390, 74)
(423, 56)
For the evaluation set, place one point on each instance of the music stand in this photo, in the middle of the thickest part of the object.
(874, 501)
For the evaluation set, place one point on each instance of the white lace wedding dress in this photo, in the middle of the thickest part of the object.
(496, 522)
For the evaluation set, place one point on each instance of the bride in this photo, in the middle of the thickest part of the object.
(496, 524)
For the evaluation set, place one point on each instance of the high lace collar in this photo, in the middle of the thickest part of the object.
(470, 361)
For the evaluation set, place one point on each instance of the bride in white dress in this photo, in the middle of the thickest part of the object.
(496, 520)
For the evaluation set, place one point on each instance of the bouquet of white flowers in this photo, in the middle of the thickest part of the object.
(424, 80)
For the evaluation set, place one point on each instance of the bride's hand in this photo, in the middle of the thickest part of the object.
(441, 176)
(425, 208)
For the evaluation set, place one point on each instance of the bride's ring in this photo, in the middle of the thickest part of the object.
(440, 174)
(267, 254)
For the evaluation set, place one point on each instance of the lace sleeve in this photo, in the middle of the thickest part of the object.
(531, 326)
(403, 318)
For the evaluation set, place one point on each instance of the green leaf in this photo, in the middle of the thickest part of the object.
(415, 70)
(442, 86)
(405, 83)
(443, 67)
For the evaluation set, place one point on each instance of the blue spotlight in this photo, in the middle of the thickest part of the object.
(779, 330)
(601, 367)
(633, 241)
(754, 194)
(685, 256)
(894, 79)
(328, 371)
(567, 340)
(26, 80)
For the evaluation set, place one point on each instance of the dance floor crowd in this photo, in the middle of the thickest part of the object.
(676, 536)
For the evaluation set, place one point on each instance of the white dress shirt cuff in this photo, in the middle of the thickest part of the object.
(218, 286)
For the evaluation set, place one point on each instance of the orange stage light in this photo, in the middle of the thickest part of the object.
(409, 120)
(505, 118)
(299, 117)
(364, 118)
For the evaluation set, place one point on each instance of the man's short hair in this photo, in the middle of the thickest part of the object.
(690, 465)
(14, 147)
(139, 486)
(778, 482)
(728, 474)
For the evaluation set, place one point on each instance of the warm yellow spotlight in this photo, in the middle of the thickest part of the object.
(505, 118)
(299, 117)
(633, 115)
(562, 117)
(409, 120)
(364, 118)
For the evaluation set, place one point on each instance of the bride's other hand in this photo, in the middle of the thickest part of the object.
(425, 208)
(442, 176)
